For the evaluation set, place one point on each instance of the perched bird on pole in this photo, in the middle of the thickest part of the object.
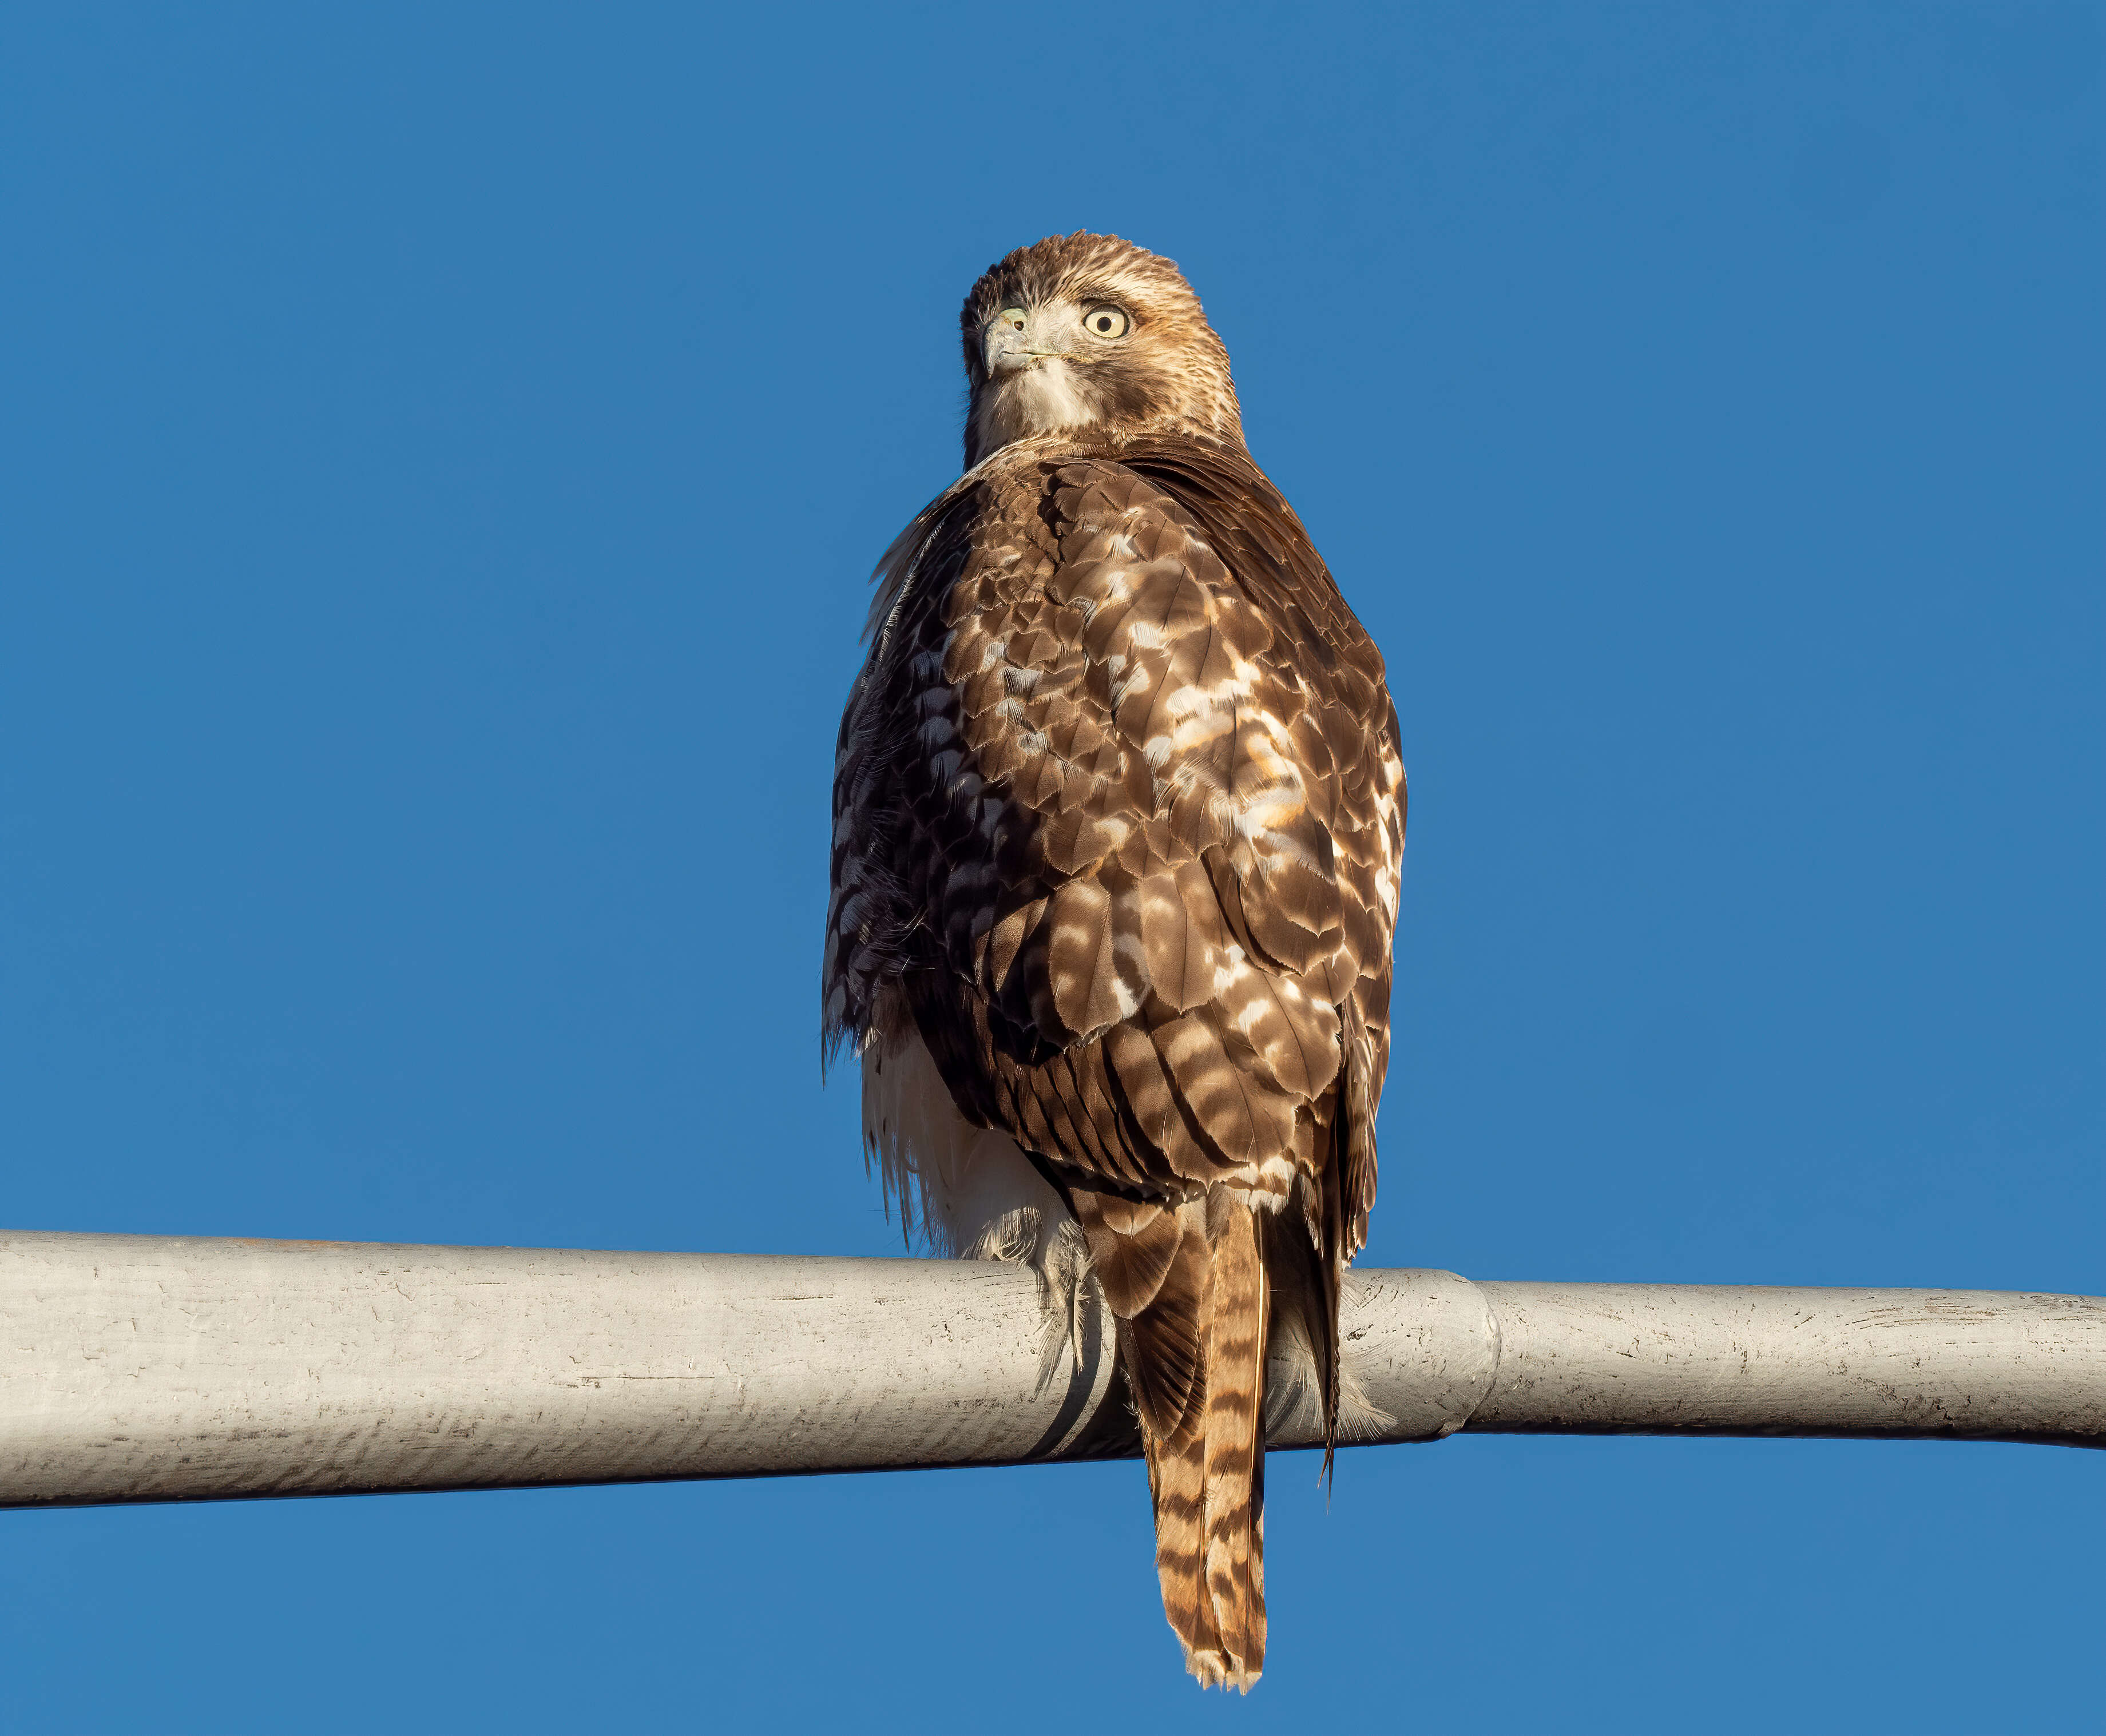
(1118, 821)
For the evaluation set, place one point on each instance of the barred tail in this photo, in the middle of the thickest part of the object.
(1177, 1483)
(1207, 1477)
(1189, 1287)
(1234, 1427)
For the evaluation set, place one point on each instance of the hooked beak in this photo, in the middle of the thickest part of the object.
(1009, 347)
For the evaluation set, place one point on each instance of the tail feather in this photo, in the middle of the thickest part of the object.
(1177, 1484)
(1193, 1326)
(1232, 1423)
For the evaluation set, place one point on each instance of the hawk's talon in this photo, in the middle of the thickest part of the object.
(1064, 1292)
(1063, 1270)
(1011, 1238)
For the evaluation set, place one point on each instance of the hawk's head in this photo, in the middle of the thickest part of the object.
(1086, 331)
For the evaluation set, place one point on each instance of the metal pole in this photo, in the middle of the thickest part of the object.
(168, 1368)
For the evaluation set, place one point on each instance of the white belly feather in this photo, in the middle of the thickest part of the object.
(954, 1182)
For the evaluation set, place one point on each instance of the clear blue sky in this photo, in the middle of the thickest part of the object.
(444, 449)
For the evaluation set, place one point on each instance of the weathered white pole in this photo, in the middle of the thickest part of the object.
(165, 1368)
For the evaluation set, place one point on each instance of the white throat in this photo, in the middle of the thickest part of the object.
(1042, 399)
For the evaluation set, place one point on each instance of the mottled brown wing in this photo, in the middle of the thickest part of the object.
(891, 793)
(1119, 803)
(1269, 556)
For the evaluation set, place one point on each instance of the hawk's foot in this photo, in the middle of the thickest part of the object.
(1062, 1263)
(1012, 1239)
(1063, 1294)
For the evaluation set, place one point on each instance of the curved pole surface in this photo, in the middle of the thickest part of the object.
(171, 1368)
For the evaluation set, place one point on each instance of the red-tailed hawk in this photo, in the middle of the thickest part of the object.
(1118, 818)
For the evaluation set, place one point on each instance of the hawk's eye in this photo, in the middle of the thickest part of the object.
(1105, 322)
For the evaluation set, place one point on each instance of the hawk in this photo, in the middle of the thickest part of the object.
(1118, 821)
